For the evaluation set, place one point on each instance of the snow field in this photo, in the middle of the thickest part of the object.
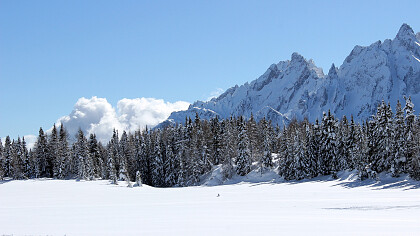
(316, 207)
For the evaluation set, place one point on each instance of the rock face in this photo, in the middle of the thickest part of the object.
(297, 88)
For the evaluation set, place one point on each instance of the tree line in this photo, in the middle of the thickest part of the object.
(180, 155)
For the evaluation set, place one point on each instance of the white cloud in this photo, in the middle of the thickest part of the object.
(139, 112)
(96, 115)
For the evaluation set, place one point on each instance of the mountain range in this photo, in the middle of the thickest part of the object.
(297, 88)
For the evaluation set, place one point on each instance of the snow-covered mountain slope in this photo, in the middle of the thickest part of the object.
(297, 88)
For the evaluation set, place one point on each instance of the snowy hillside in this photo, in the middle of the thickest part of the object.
(386, 70)
(316, 207)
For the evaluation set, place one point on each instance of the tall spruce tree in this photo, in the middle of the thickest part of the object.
(53, 147)
(243, 160)
(82, 158)
(41, 155)
(329, 145)
(399, 162)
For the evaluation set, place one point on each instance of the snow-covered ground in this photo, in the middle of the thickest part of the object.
(261, 206)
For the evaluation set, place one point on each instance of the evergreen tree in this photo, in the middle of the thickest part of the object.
(25, 159)
(81, 157)
(243, 160)
(171, 162)
(124, 154)
(360, 151)
(95, 155)
(42, 162)
(314, 148)
(300, 164)
(157, 162)
(351, 143)
(7, 157)
(398, 164)
(329, 145)
(229, 149)
(383, 134)
(112, 172)
(2, 164)
(138, 180)
(216, 145)
(266, 159)
(410, 120)
(252, 133)
(63, 157)
(53, 160)
(343, 143)
(17, 160)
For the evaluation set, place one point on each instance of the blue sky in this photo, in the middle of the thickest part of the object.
(54, 52)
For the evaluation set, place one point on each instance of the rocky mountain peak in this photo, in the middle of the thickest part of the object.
(405, 31)
(333, 71)
(297, 88)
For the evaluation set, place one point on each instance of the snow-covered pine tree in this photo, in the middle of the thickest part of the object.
(157, 161)
(206, 150)
(115, 149)
(415, 160)
(138, 180)
(53, 147)
(329, 145)
(81, 157)
(63, 156)
(360, 151)
(17, 160)
(123, 173)
(103, 161)
(216, 144)
(351, 144)
(132, 163)
(181, 155)
(25, 159)
(267, 136)
(300, 164)
(7, 157)
(228, 149)
(171, 162)
(33, 163)
(399, 161)
(311, 163)
(112, 172)
(383, 134)
(314, 148)
(143, 155)
(410, 121)
(94, 155)
(2, 166)
(372, 143)
(283, 154)
(41, 155)
(194, 164)
(124, 154)
(312, 152)
(343, 140)
(243, 160)
(252, 133)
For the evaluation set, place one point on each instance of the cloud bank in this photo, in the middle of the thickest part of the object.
(96, 115)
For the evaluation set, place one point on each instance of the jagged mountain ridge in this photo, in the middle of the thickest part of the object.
(297, 88)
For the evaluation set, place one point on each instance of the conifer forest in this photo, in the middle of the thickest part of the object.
(179, 155)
